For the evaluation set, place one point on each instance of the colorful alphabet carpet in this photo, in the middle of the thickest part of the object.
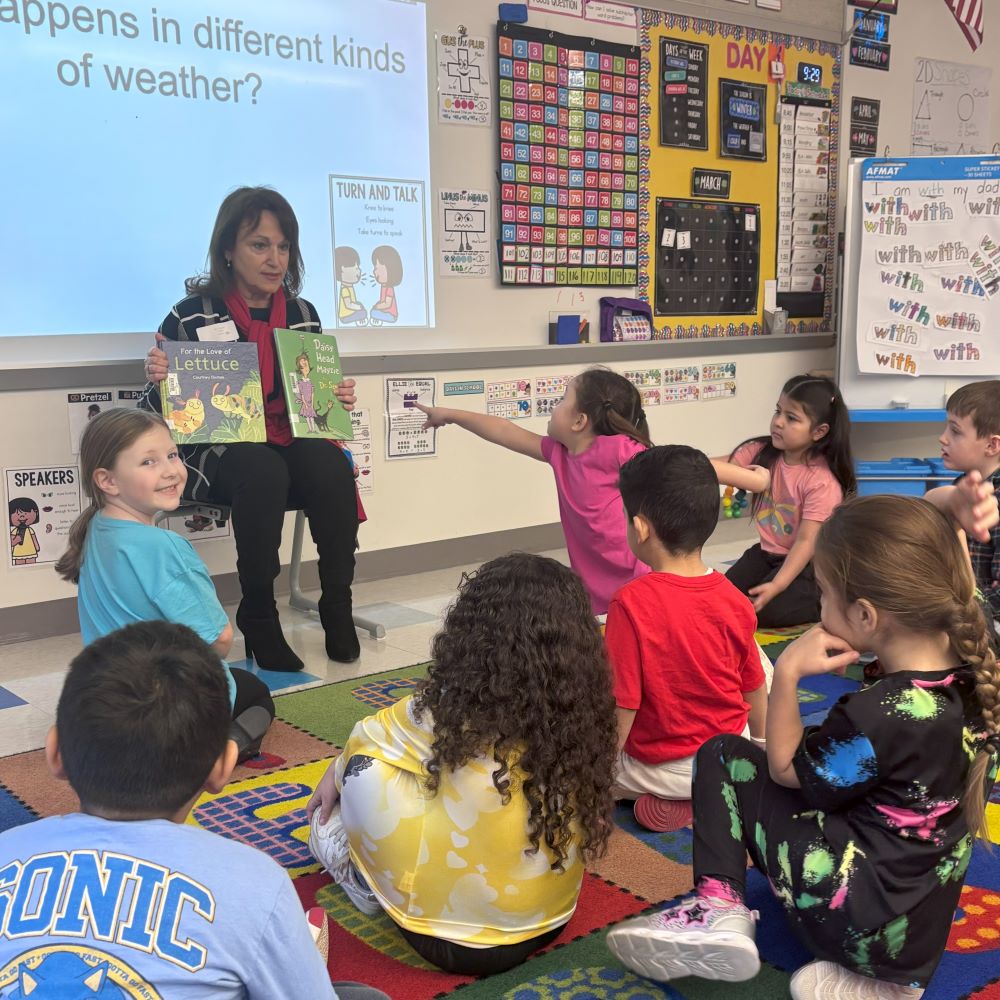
(264, 806)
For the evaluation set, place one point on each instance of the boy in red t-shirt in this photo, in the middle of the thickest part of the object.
(680, 640)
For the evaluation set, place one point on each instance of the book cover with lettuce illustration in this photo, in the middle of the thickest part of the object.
(212, 392)
(310, 371)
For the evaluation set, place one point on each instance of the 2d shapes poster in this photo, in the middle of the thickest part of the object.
(42, 505)
(463, 79)
(569, 159)
(951, 108)
(405, 436)
(380, 233)
(463, 233)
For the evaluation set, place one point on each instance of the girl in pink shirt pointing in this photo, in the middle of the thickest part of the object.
(596, 428)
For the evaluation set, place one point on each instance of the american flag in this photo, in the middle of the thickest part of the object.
(969, 14)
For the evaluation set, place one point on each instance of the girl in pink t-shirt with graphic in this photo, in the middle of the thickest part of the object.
(596, 428)
(808, 454)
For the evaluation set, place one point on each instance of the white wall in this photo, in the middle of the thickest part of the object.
(470, 488)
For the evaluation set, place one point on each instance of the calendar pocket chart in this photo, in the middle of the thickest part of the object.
(707, 258)
(568, 119)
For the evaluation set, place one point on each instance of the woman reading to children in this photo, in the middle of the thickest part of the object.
(250, 288)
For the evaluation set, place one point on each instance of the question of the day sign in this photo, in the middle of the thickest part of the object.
(229, 35)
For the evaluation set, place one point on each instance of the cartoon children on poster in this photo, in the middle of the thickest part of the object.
(387, 273)
(24, 547)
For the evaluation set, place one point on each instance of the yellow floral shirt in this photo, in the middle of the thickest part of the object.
(456, 865)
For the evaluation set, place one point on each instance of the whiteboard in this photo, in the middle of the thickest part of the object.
(862, 310)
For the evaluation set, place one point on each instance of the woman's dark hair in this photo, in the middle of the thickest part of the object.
(612, 404)
(393, 264)
(244, 207)
(519, 674)
(23, 505)
(823, 404)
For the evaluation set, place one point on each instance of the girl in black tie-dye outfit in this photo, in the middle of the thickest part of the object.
(864, 825)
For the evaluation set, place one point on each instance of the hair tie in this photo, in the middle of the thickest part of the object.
(607, 404)
(992, 743)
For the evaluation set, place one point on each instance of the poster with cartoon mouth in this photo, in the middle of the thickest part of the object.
(42, 504)
(380, 231)
(464, 232)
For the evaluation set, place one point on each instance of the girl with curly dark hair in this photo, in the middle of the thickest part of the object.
(470, 807)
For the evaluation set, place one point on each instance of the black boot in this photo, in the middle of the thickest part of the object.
(248, 730)
(335, 612)
(265, 642)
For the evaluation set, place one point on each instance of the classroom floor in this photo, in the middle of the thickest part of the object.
(410, 608)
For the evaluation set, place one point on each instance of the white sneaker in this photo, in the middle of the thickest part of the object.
(329, 846)
(822, 980)
(694, 938)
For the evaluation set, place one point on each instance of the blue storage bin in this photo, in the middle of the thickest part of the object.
(907, 476)
(940, 474)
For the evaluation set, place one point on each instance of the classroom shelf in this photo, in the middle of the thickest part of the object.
(897, 416)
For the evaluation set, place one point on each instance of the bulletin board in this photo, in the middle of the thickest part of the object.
(727, 63)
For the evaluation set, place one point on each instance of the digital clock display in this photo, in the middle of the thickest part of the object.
(810, 73)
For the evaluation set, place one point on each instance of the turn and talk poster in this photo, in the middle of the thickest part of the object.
(379, 227)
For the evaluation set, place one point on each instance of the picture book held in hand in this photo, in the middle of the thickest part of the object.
(310, 372)
(212, 392)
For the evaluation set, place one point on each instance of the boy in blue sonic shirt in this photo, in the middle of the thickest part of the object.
(122, 898)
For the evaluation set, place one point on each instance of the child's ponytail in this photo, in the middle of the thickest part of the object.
(612, 404)
(971, 641)
(103, 438)
(69, 563)
(902, 554)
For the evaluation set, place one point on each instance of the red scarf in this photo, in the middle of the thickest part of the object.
(261, 333)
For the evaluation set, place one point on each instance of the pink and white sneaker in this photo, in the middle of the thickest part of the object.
(695, 938)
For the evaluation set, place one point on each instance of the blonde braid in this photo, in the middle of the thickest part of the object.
(971, 641)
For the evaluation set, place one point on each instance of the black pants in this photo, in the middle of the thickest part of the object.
(798, 604)
(462, 961)
(250, 691)
(738, 808)
(260, 482)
